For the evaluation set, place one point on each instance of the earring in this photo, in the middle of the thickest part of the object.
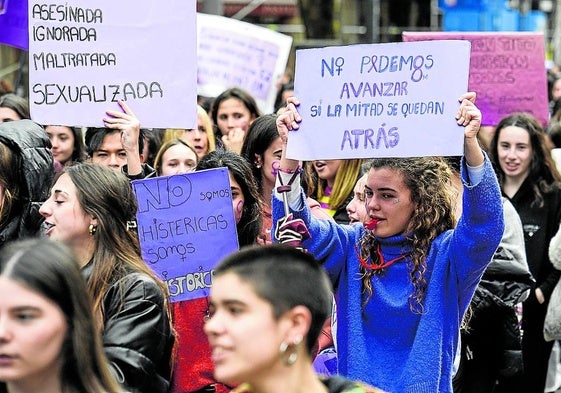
(92, 229)
(293, 355)
(257, 165)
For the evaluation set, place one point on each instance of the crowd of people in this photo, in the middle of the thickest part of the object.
(419, 274)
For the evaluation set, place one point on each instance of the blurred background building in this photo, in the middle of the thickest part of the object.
(315, 23)
(352, 21)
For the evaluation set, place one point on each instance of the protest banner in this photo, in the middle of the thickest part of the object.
(238, 54)
(380, 100)
(186, 225)
(507, 71)
(84, 57)
(13, 23)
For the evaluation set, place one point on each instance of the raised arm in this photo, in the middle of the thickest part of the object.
(469, 116)
(286, 122)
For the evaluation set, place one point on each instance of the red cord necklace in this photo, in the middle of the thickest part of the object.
(382, 264)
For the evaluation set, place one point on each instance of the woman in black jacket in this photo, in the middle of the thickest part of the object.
(92, 209)
(530, 180)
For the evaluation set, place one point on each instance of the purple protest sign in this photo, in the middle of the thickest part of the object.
(13, 23)
(507, 71)
(186, 224)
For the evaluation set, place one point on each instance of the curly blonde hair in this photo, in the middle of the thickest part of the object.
(430, 181)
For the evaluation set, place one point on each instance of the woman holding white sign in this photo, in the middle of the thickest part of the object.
(404, 280)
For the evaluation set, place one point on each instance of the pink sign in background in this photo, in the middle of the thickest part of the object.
(507, 70)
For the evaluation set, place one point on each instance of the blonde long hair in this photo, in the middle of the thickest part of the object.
(344, 183)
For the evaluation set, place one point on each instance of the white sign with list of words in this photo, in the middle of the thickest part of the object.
(84, 56)
(380, 100)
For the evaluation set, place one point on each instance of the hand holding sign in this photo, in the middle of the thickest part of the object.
(469, 116)
(288, 121)
(129, 125)
(465, 115)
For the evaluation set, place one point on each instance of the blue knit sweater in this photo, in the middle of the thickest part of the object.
(383, 343)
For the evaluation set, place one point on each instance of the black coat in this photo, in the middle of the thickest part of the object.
(504, 284)
(540, 225)
(137, 338)
(30, 143)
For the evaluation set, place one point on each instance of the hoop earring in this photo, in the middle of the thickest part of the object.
(92, 229)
